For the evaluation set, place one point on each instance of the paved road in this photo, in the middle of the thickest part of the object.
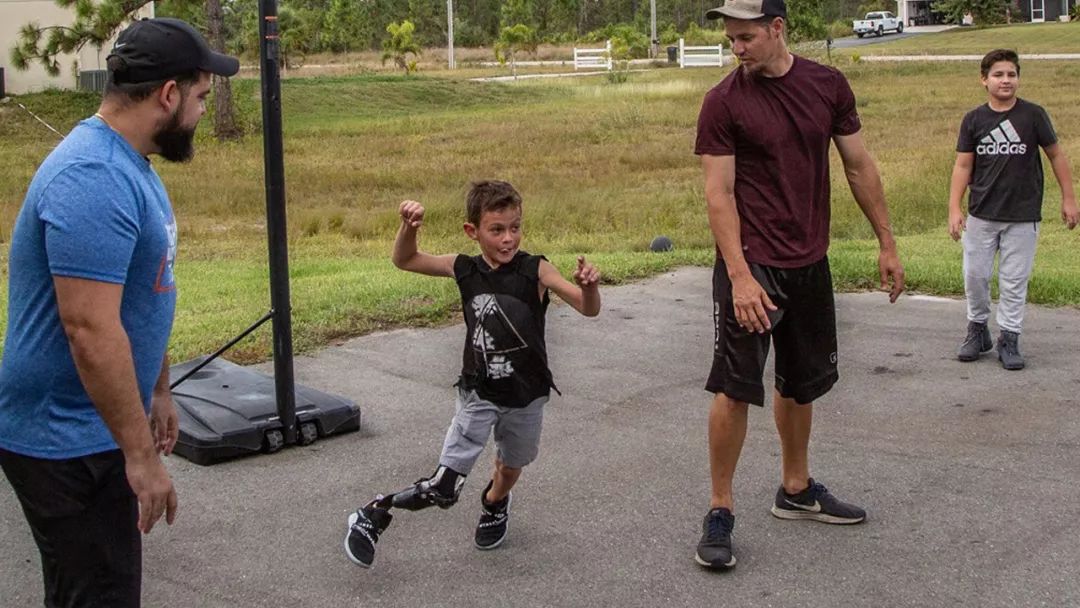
(968, 473)
(854, 41)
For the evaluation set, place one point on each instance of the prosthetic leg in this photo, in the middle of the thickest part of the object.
(441, 490)
(368, 522)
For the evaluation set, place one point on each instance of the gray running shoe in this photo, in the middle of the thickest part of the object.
(1008, 347)
(816, 503)
(714, 548)
(978, 341)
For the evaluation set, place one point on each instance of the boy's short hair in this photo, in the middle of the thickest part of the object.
(489, 195)
(997, 55)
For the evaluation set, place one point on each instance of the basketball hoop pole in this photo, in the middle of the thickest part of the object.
(274, 168)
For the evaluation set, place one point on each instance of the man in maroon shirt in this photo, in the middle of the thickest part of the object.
(763, 137)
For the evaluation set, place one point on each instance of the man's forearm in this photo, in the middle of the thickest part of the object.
(724, 222)
(865, 182)
(162, 384)
(103, 359)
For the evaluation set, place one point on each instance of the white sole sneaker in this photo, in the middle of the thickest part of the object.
(812, 516)
(731, 564)
(509, 501)
(348, 552)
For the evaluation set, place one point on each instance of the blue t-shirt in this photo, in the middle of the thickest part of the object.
(95, 210)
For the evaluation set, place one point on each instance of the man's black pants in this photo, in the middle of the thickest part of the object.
(83, 516)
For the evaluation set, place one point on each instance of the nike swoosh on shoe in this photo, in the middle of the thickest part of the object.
(814, 508)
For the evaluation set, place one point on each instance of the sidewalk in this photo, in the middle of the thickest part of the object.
(1036, 57)
(967, 471)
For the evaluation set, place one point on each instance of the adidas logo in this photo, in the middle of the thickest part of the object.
(1002, 140)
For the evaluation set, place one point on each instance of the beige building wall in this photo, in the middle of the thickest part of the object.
(14, 14)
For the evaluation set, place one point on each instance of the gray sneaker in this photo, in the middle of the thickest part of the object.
(978, 341)
(1008, 347)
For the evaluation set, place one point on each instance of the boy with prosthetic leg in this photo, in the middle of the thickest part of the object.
(505, 381)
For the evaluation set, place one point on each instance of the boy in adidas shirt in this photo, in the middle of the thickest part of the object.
(998, 159)
(505, 380)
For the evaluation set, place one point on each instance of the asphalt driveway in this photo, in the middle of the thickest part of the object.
(968, 473)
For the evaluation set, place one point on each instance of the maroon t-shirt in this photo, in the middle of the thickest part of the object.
(779, 130)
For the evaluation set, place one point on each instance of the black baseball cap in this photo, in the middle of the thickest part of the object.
(748, 9)
(163, 48)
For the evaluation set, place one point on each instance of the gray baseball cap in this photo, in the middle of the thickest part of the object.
(748, 9)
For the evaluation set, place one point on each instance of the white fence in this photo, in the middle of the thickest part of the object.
(593, 58)
(700, 56)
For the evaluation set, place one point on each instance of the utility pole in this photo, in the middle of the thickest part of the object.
(450, 34)
(654, 47)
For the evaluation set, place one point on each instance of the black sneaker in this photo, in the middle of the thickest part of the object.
(817, 504)
(714, 548)
(365, 525)
(494, 520)
(1008, 348)
(978, 341)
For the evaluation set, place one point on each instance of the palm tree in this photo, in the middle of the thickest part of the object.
(512, 40)
(400, 44)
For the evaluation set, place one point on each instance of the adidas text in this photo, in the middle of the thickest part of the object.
(1000, 148)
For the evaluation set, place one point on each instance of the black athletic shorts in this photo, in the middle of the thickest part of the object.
(803, 331)
(83, 516)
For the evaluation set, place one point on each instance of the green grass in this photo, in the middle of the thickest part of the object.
(1026, 38)
(603, 169)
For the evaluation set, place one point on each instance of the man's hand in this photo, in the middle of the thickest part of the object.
(956, 224)
(164, 425)
(153, 488)
(891, 270)
(751, 303)
(412, 213)
(1069, 213)
(585, 274)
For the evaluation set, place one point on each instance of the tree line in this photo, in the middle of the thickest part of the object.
(400, 27)
(318, 26)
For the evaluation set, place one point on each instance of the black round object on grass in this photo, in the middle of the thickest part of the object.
(661, 243)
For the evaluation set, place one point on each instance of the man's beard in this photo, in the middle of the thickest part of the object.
(174, 142)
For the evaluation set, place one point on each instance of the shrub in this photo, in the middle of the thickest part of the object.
(636, 41)
(840, 29)
(620, 57)
(468, 34)
(699, 36)
(669, 35)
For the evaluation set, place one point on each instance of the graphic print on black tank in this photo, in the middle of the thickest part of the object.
(495, 337)
(505, 355)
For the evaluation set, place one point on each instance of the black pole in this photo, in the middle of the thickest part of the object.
(284, 384)
(221, 351)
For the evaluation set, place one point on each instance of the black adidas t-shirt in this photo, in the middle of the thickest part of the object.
(1007, 179)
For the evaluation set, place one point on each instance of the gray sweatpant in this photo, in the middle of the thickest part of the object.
(1016, 243)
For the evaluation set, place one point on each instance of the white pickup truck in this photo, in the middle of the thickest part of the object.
(878, 23)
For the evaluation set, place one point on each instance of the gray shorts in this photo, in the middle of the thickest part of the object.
(517, 432)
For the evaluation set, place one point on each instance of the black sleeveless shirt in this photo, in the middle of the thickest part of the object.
(505, 357)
